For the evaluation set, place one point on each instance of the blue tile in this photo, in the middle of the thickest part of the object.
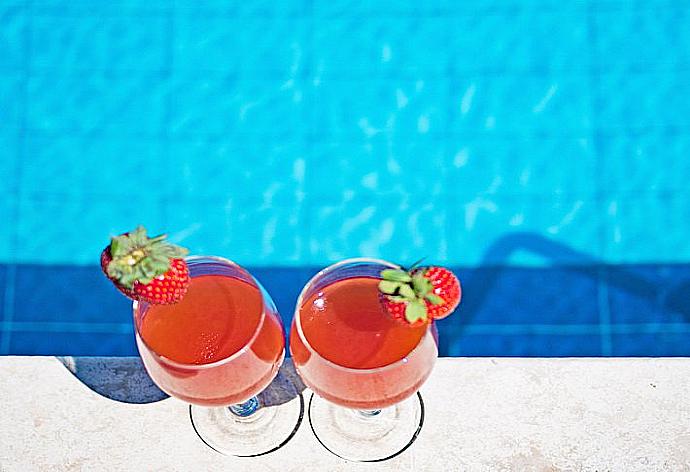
(7, 213)
(643, 100)
(14, 21)
(275, 47)
(59, 229)
(284, 285)
(524, 105)
(485, 166)
(477, 224)
(525, 296)
(114, 166)
(378, 165)
(246, 10)
(32, 343)
(88, 8)
(12, 100)
(102, 104)
(542, 42)
(397, 229)
(636, 223)
(365, 108)
(643, 39)
(246, 231)
(409, 47)
(523, 346)
(93, 43)
(9, 150)
(635, 164)
(70, 294)
(228, 168)
(648, 294)
(652, 345)
(233, 107)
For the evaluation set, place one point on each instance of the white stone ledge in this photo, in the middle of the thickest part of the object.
(482, 414)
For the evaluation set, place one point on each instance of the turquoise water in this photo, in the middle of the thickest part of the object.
(297, 134)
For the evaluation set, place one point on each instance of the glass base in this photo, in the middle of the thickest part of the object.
(366, 435)
(247, 430)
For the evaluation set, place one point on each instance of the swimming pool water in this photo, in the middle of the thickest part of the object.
(539, 147)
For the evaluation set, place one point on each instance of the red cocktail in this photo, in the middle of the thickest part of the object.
(350, 351)
(219, 346)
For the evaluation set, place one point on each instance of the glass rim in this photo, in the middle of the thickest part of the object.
(310, 348)
(183, 365)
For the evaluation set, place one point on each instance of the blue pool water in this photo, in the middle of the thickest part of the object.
(539, 147)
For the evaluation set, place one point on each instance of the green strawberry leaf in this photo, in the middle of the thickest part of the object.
(414, 311)
(421, 285)
(407, 292)
(397, 299)
(434, 299)
(388, 286)
(395, 275)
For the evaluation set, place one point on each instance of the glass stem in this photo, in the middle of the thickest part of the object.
(369, 413)
(245, 409)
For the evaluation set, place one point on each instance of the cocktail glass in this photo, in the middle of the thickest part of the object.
(216, 349)
(364, 366)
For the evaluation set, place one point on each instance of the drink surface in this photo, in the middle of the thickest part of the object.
(217, 317)
(346, 323)
(225, 342)
(358, 355)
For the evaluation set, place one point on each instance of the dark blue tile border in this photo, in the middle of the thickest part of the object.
(588, 310)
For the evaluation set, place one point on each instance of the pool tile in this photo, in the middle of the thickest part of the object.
(248, 231)
(549, 229)
(260, 9)
(648, 294)
(38, 343)
(401, 47)
(635, 222)
(524, 296)
(397, 229)
(12, 99)
(520, 105)
(528, 345)
(9, 155)
(97, 104)
(89, 43)
(272, 46)
(631, 164)
(72, 294)
(13, 34)
(236, 107)
(486, 166)
(7, 231)
(226, 168)
(398, 107)
(652, 345)
(107, 166)
(55, 229)
(379, 165)
(629, 38)
(548, 41)
(642, 100)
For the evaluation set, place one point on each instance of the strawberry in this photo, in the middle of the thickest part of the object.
(146, 269)
(420, 294)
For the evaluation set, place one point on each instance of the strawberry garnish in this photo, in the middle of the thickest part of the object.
(146, 269)
(420, 294)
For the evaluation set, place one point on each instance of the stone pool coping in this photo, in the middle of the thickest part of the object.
(481, 414)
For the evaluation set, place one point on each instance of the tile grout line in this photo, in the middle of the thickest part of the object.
(10, 283)
(603, 306)
(8, 310)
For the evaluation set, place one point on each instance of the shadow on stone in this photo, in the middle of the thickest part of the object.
(124, 379)
(286, 386)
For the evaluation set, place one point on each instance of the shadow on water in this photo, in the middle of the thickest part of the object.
(481, 281)
(124, 379)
